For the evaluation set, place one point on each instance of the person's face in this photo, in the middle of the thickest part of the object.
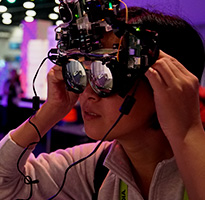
(99, 114)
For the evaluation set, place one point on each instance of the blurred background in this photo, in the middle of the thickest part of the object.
(26, 36)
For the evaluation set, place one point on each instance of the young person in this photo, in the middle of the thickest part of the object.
(155, 152)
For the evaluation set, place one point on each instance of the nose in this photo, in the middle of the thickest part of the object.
(89, 94)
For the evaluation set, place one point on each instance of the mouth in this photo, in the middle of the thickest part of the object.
(87, 115)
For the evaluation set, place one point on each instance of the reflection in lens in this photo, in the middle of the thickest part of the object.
(101, 78)
(76, 75)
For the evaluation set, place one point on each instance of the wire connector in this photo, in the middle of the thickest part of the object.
(36, 103)
(127, 105)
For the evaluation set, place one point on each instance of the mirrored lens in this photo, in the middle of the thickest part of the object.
(76, 75)
(101, 79)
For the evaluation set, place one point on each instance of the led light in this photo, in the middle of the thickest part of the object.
(6, 21)
(138, 29)
(57, 1)
(56, 9)
(31, 13)
(59, 22)
(28, 5)
(53, 16)
(11, 1)
(28, 19)
(110, 6)
(7, 15)
(3, 8)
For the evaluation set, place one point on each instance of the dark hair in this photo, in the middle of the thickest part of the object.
(176, 37)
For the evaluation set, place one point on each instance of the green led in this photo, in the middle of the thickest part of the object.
(76, 15)
(138, 29)
(110, 5)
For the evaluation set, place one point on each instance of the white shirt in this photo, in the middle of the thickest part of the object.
(49, 169)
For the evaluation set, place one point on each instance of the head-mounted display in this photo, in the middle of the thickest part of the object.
(113, 71)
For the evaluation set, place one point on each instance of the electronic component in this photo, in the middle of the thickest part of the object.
(85, 23)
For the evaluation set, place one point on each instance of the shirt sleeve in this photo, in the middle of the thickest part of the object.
(49, 170)
(9, 175)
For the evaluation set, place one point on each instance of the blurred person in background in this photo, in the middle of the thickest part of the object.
(12, 92)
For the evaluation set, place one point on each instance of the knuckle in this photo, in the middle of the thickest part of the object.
(160, 63)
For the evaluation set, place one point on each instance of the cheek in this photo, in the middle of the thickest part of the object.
(97, 130)
(138, 118)
(109, 113)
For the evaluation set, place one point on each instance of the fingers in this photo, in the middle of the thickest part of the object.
(176, 66)
(155, 79)
(175, 95)
(162, 73)
(56, 73)
(167, 71)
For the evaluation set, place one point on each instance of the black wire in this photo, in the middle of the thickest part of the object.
(52, 58)
(34, 79)
(35, 127)
(27, 179)
(84, 158)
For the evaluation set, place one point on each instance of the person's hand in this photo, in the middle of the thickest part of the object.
(58, 96)
(176, 97)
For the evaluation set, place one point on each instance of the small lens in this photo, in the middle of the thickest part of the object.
(101, 78)
(76, 75)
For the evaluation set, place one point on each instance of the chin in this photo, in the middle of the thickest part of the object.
(94, 133)
(97, 134)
